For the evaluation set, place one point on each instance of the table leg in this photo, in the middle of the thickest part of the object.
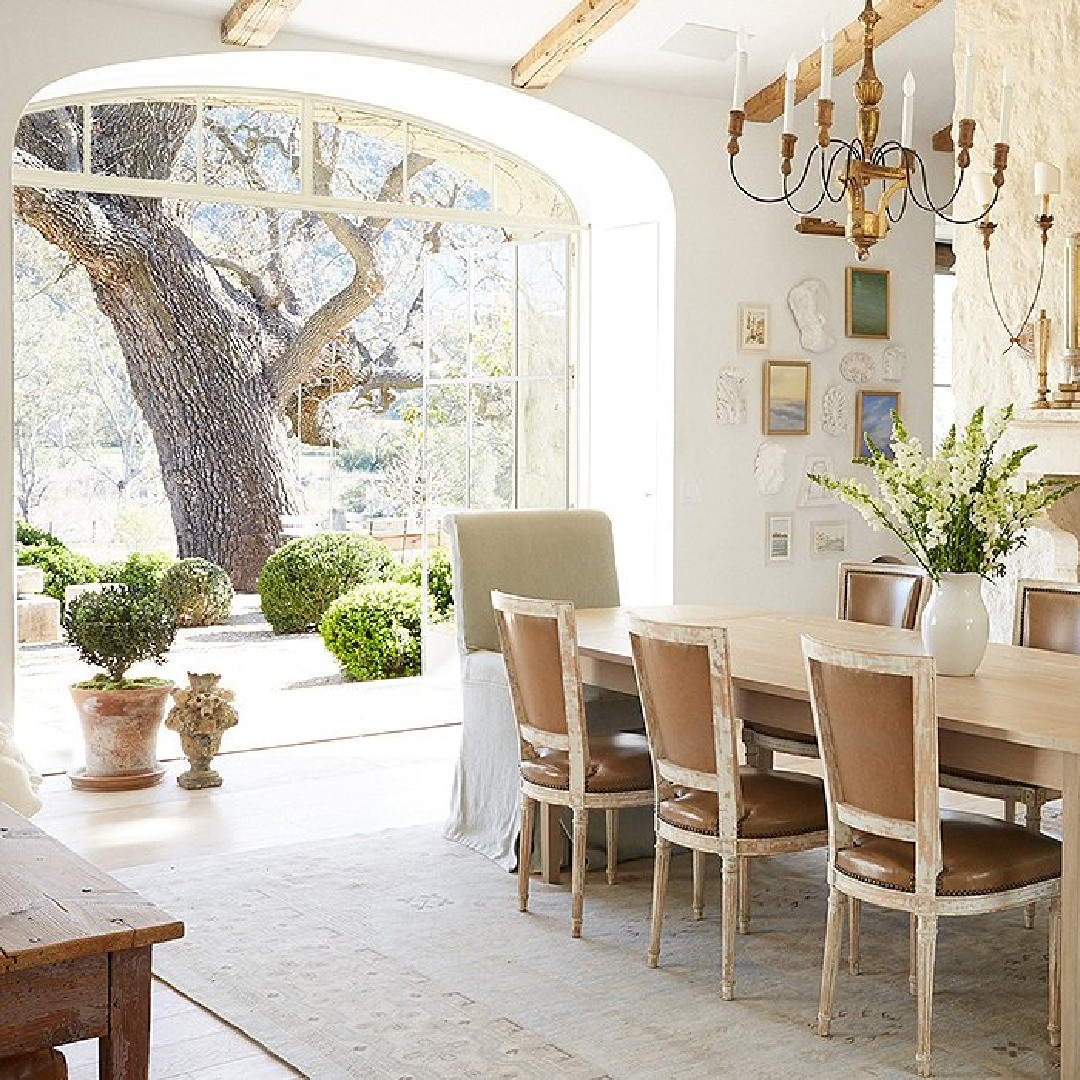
(1070, 918)
(124, 1053)
(551, 847)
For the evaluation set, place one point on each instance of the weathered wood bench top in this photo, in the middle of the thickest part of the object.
(56, 906)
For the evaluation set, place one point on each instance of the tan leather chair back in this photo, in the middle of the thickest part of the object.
(530, 648)
(684, 676)
(1048, 615)
(876, 721)
(546, 554)
(883, 594)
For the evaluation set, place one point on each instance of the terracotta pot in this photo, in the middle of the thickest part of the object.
(120, 732)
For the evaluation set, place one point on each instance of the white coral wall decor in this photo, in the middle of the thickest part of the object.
(892, 363)
(809, 305)
(769, 467)
(836, 411)
(857, 367)
(731, 396)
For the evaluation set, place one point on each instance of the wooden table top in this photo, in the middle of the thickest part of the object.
(1026, 696)
(56, 906)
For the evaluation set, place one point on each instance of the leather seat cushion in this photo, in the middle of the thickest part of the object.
(806, 737)
(774, 804)
(618, 762)
(979, 855)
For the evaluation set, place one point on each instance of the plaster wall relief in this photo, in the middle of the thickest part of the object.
(731, 396)
(769, 467)
(892, 363)
(836, 411)
(857, 367)
(809, 302)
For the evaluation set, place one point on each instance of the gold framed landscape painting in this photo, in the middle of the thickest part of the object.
(866, 302)
(873, 417)
(785, 397)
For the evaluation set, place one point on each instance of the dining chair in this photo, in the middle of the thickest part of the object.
(560, 762)
(705, 800)
(884, 594)
(889, 843)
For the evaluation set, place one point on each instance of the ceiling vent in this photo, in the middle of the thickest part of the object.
(701, 42)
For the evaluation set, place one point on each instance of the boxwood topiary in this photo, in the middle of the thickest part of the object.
(61, 567)
(118, 626)
(143, 569)
(199, 592)
(374, 631)
(440, 581)
(299, 582)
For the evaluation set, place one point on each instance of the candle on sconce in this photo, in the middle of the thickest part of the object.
(1047, 178)
(907, 119)
(1006, 105)
(982, 184)
(969, 77)
(791, 74)
(738, 97)
(826, 61)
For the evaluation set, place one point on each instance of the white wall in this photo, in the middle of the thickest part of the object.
(726, 250)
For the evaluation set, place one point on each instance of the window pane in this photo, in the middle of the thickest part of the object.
(250, 147)
(51, 139)
(446, 435)
(145, 140)
(356, 153)
(520, 189)
(493, 311)
(491, 463)
(541, 464)
(944, 287)
(448, 314)
(944, 412)
(543, 325)
(444, 171)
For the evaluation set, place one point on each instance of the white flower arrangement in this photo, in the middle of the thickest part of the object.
(958, 510)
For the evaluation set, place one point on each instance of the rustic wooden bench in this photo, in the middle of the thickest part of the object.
(75, 950)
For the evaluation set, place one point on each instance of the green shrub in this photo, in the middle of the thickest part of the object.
(440, 581)
(118, 626)
(374, 631)
(143, 569)
(199, 592)
(299, 582)
(61, 567)
(31, 535)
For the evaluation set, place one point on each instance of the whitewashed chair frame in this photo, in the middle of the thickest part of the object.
(734, 851)
(575, 744)
(924, 905)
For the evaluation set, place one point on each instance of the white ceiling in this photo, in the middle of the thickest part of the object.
(498, 32)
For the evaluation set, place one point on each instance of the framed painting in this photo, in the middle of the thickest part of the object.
(873, 418)
(866, 302)
(753, 327)
(811, 494)
(778, 538)
(828, 538)
(785, 397)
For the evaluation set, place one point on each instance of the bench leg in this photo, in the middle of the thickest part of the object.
(124, 1053)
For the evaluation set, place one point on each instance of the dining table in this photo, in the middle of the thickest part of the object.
(1017, 717)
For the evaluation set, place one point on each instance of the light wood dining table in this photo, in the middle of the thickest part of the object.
(1018, 717)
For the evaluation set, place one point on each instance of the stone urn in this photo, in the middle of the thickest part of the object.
(202, 713)
(120, 732)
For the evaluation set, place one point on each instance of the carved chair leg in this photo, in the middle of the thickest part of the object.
(659, 895)
(699, 883)
(1033, 799)
(728, 918)
(611, 819)
(528, 815)
(834, 929)
(1053, 1026)
(577, 874)
(854, 937)
(913, 957)
(926, 935)
(745, 863)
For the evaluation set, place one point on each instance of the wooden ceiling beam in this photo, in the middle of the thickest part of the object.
(566, 41)
(255, 23)
(767, 104)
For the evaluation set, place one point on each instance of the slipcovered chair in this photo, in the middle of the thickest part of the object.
(705, 800)
(889, 844)
(550, 555)
(561, 764)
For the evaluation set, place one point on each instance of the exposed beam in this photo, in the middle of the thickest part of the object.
(567, 40)
(255, 23)
(768, 104)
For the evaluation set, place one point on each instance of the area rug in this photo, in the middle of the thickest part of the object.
(399, 954)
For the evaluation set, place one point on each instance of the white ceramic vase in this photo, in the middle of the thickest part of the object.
(955, 625)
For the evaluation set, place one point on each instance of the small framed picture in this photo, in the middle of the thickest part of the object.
(866, 302)
(778, 538)
(753, 327)
(785, 397)
(811, 494)
(873, 417)
(828, 538)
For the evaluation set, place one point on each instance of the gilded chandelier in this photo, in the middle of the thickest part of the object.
(848, 169)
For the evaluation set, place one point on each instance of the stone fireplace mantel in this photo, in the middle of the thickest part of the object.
(1055, 434)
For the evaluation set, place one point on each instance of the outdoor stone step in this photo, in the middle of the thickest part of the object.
(38, 619)
(29, 580)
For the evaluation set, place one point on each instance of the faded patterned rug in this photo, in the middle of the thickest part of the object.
(401, 955)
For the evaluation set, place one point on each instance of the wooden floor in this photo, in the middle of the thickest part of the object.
(270, 798)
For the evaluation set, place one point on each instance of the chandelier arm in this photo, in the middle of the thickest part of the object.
(802, 181)
(768, 199)
(893, 219)
(842, 147)
(939, 210)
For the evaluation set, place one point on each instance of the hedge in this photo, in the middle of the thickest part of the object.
(374, 631)
(198, 591)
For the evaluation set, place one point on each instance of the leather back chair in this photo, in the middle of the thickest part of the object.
(882, 594)
(888, 842)
(1047, 615)
(561, 763)
(704, 800)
